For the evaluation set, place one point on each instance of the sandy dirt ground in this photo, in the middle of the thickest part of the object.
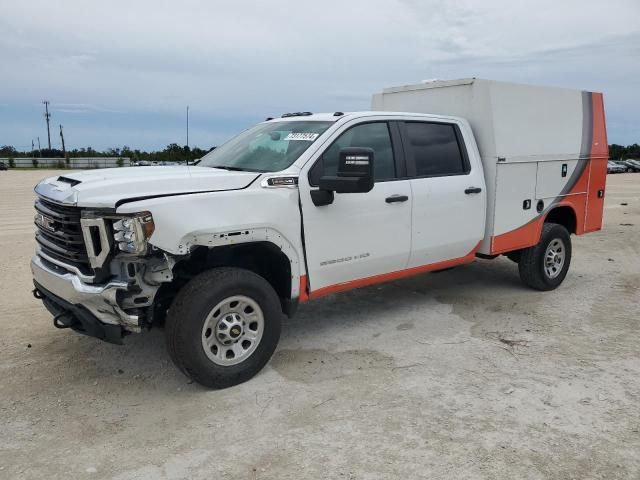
(456, 375)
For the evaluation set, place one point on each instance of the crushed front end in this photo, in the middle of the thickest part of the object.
(94, 269)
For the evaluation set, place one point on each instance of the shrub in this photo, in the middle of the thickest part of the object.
(60, 164)
(120, 162)
(35, 162)
(12, 163)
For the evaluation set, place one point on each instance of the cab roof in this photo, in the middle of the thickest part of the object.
(333, 117)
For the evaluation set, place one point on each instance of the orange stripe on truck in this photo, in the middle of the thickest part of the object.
(598, 166)
(521, 237)
(304, 293)
(386, 277)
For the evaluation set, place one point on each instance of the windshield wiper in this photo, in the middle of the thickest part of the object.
(235, 169)
(224, 167)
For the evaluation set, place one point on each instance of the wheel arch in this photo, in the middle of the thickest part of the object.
(262, 257)
(564, 215)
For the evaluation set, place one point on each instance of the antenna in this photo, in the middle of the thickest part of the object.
(64, 152)
(47, 116)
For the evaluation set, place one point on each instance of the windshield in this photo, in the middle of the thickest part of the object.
(267, 147)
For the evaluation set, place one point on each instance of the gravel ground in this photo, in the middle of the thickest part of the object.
(456, 375)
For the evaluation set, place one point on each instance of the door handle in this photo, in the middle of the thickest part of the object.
(396, 198)
(473, 190)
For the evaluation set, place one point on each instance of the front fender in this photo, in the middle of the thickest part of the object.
(226, 218)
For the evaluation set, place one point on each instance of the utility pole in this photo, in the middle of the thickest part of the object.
(64, 152)
(33, 148)
(47, 116)
(187, 126)
(39, 149)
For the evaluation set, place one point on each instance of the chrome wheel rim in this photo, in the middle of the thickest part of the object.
(232, 331)
(554, 258)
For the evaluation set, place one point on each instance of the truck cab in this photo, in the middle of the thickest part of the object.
(290, 210)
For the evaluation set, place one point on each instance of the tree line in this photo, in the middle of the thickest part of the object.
(171, 153)
(175, 153)
(618, 152)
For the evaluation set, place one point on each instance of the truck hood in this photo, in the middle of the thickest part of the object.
(110, 187)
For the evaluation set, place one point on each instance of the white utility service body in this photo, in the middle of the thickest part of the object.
(544, 144)
(312, 204)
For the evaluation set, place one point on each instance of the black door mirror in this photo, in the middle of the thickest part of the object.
(355, 175)
(355, 172)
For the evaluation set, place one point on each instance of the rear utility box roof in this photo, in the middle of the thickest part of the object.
(510, 121)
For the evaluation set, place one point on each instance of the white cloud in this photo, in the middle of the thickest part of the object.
(258, 58)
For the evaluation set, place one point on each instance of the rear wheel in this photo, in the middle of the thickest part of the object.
(545, 265)
(514, 256)
(223, 327)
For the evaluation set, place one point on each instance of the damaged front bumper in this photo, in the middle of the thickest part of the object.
(90, 309)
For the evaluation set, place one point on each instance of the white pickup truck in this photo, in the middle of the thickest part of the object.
(307, 205)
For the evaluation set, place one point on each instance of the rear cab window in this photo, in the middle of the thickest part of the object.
(434, 149)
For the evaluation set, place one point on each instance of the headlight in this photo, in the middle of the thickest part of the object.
(132, 232)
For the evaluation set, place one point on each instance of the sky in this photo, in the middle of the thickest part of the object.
(122, 72)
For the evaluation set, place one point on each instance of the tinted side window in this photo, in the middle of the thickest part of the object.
(371, 135)
(434, 149)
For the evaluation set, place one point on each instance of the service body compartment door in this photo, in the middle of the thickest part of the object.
(595, 199)
(515, 206)
(553, 177)
(598, 167)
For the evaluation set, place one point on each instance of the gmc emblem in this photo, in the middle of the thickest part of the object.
(45, 222)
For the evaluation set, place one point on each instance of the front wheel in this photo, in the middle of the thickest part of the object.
(223, 327)
(545, 265)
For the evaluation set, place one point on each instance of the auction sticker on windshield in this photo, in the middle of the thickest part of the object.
(306, 137)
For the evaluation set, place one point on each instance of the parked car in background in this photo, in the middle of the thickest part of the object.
(3, 166)
(629, 165)
(635, 163)
(613, 167)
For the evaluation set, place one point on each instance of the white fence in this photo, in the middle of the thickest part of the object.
(80, 162)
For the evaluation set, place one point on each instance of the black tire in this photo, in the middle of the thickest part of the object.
(514, 256)
(532, 259)
(189, 311)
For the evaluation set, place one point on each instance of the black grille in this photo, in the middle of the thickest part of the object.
(60, 234)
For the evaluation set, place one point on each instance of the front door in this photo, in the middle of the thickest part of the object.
(360, 236)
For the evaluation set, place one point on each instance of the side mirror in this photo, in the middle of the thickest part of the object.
(355, 172)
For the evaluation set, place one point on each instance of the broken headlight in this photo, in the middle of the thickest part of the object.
(132, 232)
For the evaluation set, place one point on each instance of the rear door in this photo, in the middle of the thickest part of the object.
(448, 190)
(359, 236)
